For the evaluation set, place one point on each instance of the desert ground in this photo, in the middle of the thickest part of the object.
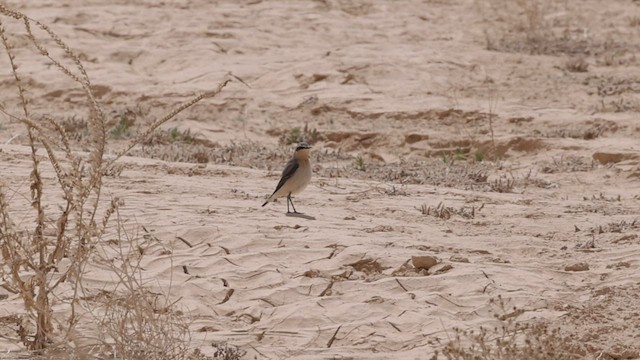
(500, 138)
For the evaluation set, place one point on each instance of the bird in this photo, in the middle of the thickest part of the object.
(295, 176)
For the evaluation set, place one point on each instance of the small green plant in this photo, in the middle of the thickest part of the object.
(122, 129)
(313, 135)
(459, 154)
(359, 164)
(479, 155)
(447, 159)
(174, 133)
(298, 135)
(181, 136)
(295, 136)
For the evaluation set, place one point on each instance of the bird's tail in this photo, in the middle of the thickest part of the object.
(266, 202)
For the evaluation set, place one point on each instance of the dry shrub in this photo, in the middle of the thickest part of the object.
(446, 212)
(134, 322)
(510, 340)
(570, 163)
(502, 185)
(53, 249)
(576, 64)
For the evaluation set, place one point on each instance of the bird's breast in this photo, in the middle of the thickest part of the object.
(302, 177)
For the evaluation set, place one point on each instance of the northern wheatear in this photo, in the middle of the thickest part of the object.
(295, 176)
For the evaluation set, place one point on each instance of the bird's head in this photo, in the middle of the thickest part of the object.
(302, 151)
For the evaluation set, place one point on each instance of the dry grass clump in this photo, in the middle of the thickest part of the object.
(612, 85)
(576, 64)
(544, 27)
(49, 235)
(569, 163)
(446, 212)
(431, 171)
(502, 185)
(133, 321)
(589, 130)
(243, 153)
(297, 135)
(510, 340)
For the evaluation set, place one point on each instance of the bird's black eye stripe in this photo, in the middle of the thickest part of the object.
(302, 147)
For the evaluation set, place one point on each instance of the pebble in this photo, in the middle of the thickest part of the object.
(424, 261)
(580, 266)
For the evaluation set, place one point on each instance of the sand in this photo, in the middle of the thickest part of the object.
(406, 87)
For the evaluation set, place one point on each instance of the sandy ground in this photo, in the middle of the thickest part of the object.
(409, 99)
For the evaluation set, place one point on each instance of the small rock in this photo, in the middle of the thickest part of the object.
(459, 258)
(443, 269)
(581, 266)
(423, 262)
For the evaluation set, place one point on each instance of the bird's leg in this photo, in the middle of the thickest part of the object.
(290, 201)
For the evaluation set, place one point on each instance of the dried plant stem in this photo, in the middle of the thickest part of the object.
(30, 260)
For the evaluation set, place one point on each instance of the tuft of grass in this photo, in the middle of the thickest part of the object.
(446, 212)
(576, 64)
(225, 351)
(306, 134)
(122, 129)
(511, 339)
(181, 136)
(502, 185)
(459, 154)
(359, 164)
(295, 136)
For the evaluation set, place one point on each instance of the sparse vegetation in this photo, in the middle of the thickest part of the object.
(359, 164)
(511, 339)
(122, 130)
(458, 127)
(568, 164)
(297, 135)
(71, 217)
(446, 212)
(577, 64)
(502, 185)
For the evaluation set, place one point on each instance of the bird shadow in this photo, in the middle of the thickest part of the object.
(301, 215)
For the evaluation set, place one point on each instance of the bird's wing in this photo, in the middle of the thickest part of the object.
(287, 173)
